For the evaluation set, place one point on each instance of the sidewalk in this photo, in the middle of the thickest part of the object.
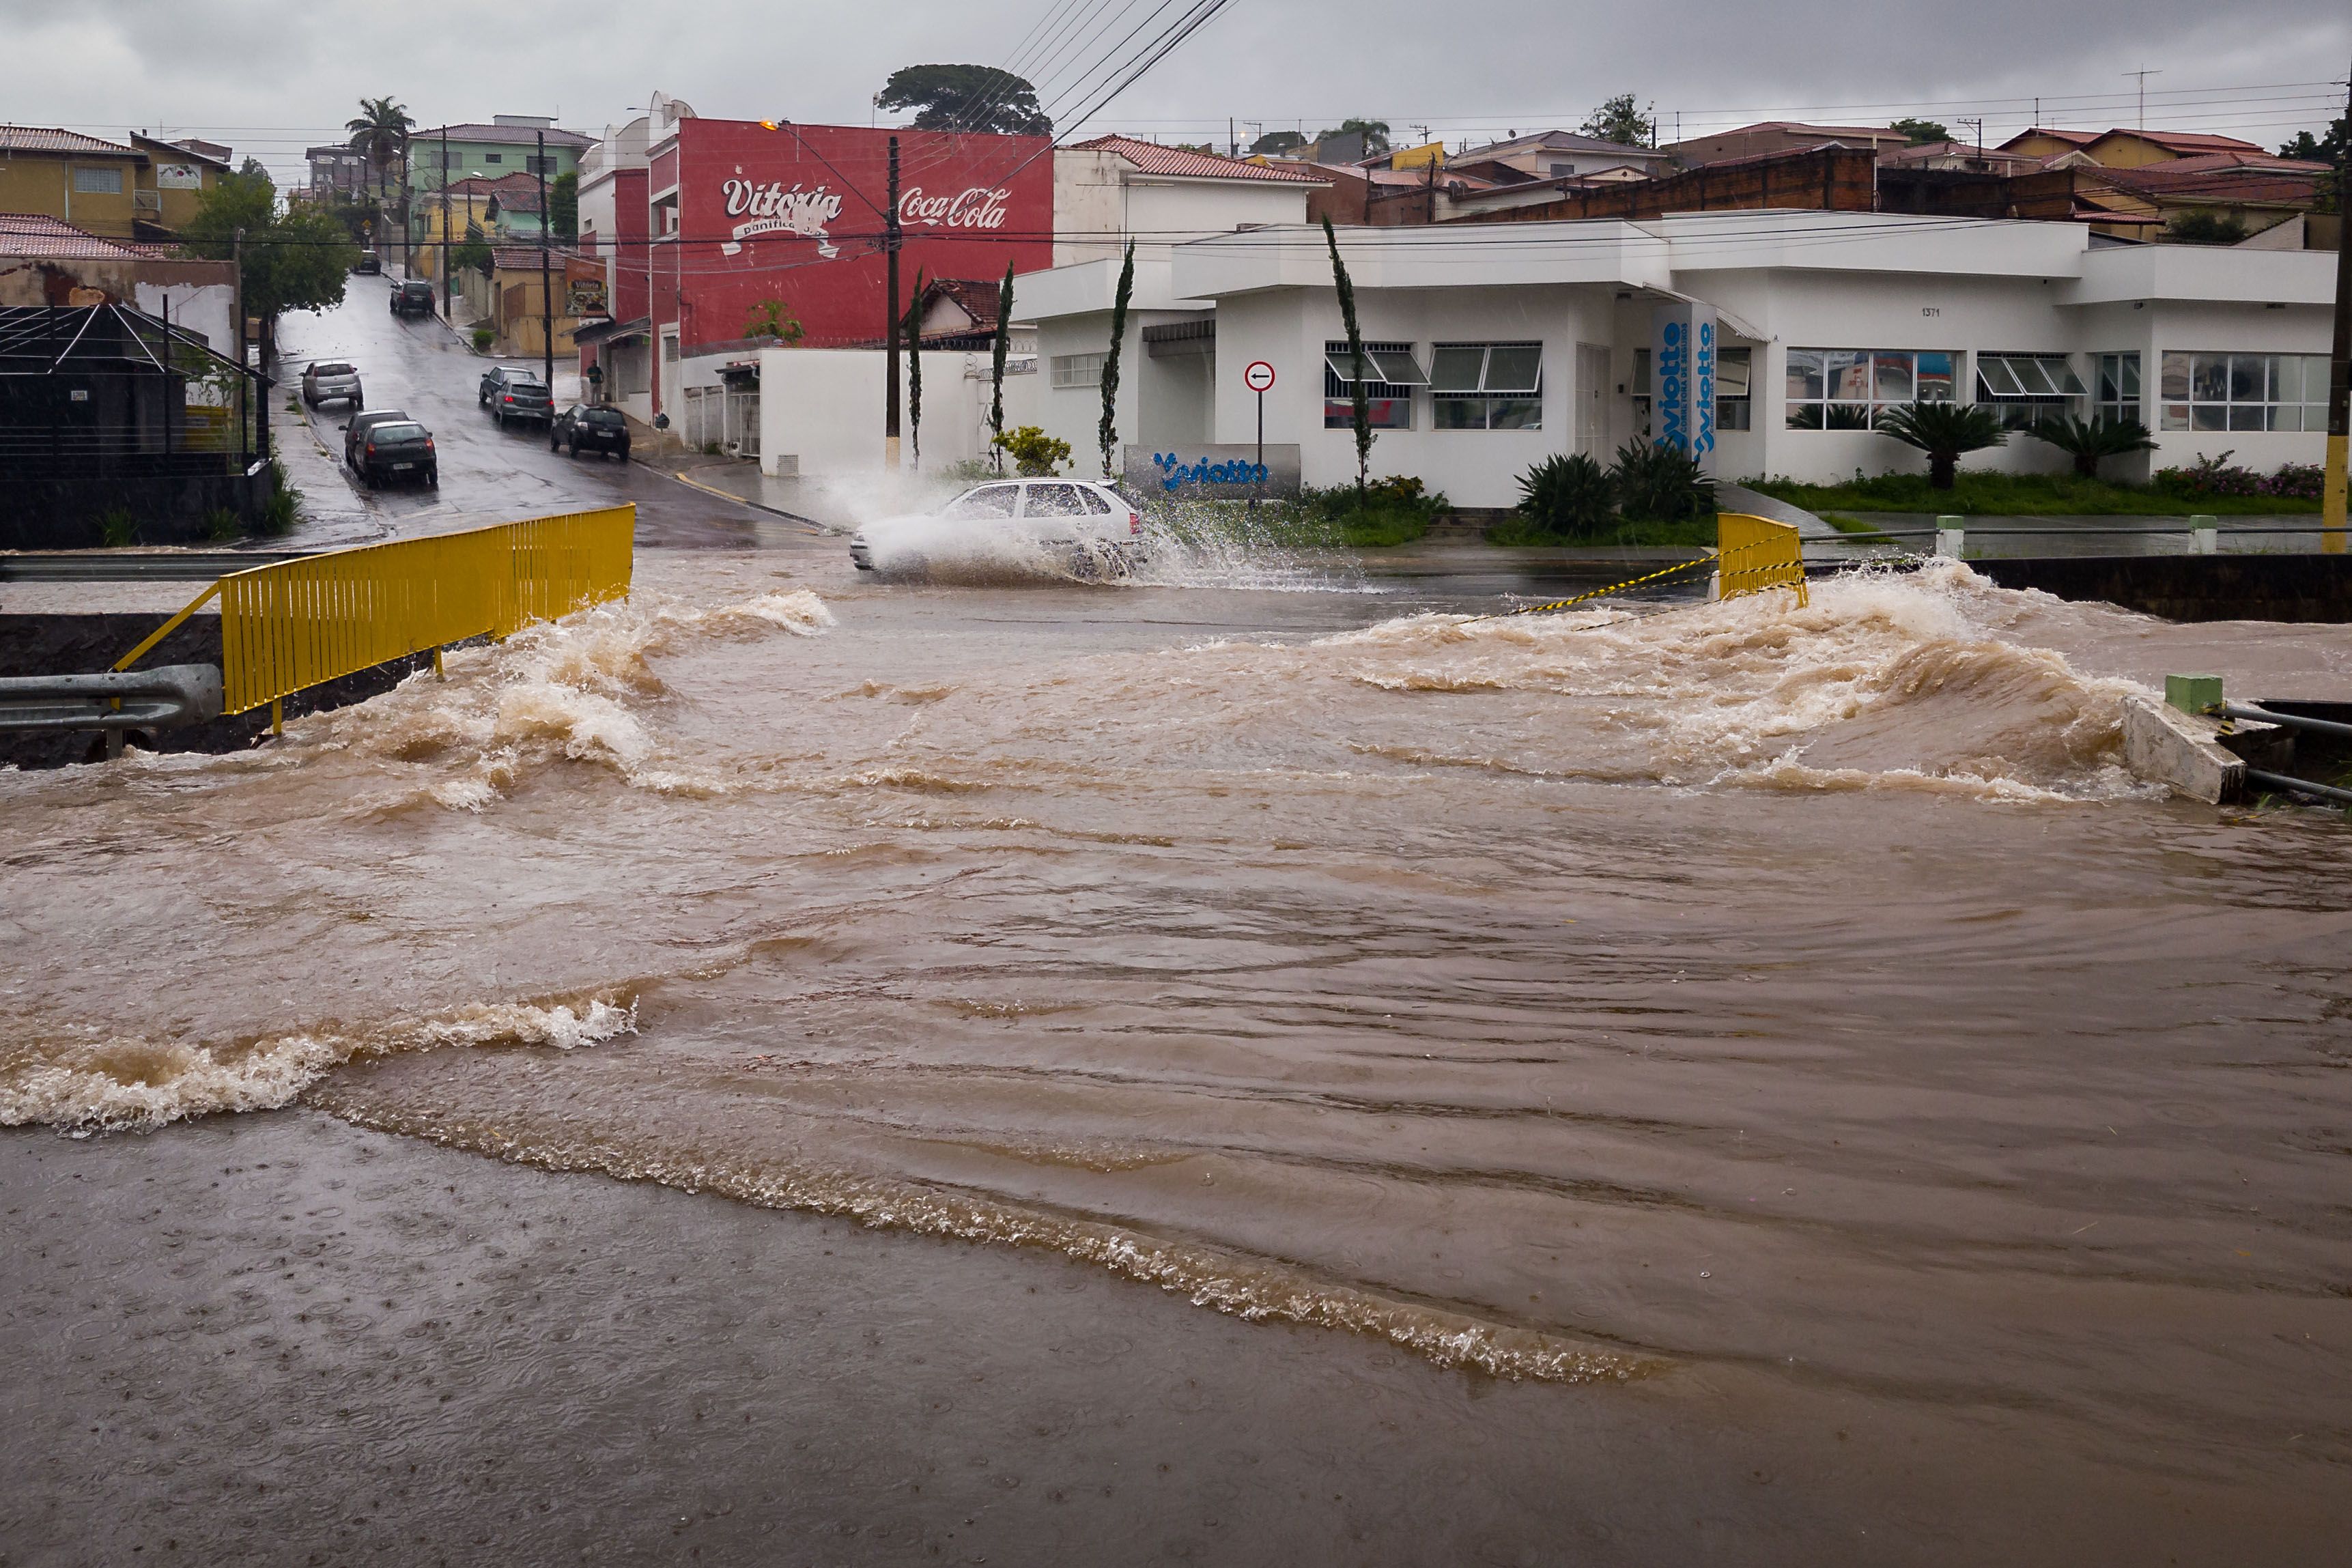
(800, 500)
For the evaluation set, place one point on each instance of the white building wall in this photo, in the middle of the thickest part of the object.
(824, 407)
(1288, 328)
(1858, 283)
(209, 309)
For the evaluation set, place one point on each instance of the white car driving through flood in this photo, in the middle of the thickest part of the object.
(1058, 525)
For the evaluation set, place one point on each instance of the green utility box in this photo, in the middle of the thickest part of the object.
(2193, 694)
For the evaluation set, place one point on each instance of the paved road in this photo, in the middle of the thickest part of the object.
(420, 366)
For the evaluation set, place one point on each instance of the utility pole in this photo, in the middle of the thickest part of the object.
(447, 248)
(890, 238)
(2340, 359)
(546, 289)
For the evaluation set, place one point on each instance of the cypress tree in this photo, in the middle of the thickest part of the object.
(914, 369)
(1363, 405)
(1109, 430)
(996, 357)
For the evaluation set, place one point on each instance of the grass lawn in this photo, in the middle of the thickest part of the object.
(1690, 533)
(2019, 495)
(1862, 532)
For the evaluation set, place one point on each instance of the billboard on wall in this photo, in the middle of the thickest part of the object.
(1684, 336)
(796, 213)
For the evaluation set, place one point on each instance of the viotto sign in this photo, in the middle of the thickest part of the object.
(1225, 471)
(1682, 343)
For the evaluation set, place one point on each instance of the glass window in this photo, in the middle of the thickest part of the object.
(1456, 368)
(2114, 380)
(1935, 378)
(1093, 498)
(1388, 399)
(2024, 388)
(2244, 392)
(98, 182)
(1053, 501)
(494, 157)
(1733, 371)
(988, 501)
(1892, 382)
(1805, 375)
(1487, 386)
(1848, 389)
(1079, 370)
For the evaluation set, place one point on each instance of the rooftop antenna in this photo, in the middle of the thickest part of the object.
(2143, 74)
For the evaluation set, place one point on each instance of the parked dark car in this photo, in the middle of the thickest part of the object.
(597, 429)
(331, 380)
(356, 432)
(369, 262)
(516, 394)
(412, 298)
(401, 449)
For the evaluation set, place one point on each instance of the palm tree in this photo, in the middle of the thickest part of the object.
(1945, 432)
(380, 133)
(2087, 441)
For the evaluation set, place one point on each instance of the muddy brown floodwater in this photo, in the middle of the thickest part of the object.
(1760, 1044)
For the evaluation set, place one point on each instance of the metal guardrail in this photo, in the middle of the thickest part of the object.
(303, 621)
(166, 698)
(134, 566)
(1771, 555)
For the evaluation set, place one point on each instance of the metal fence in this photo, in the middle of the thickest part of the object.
(297, 624)
(1755, 553)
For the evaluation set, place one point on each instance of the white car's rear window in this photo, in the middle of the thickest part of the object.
(1054, 501)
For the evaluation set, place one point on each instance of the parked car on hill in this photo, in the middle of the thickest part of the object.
(597, 429)
(412, 298)
(369, 262)
(516, 394)
(1090, 529)
(398, 449)
(356, 431)
(331, 380)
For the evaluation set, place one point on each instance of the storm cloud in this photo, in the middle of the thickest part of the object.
(271, 77)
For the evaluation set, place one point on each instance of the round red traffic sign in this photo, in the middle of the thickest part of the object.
(1259, 377)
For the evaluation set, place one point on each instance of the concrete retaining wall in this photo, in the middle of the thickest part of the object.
(2310, 587)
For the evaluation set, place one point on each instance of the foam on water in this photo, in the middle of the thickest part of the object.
(95, 1082)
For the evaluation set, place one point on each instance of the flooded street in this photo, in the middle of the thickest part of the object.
(1739, 1038)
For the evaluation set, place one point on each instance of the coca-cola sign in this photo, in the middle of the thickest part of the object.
(975, 207)
(771, 208)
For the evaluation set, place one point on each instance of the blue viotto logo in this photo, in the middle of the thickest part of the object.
(1175, 472)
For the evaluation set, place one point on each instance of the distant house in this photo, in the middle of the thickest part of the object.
(1780, 136)
(2127, 149)
(1557, 155)
(339, 170)
(508, 300)
(508, 145)
(44, 262)
(144, 189)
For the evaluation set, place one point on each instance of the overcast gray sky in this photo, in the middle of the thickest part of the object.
(271, 77)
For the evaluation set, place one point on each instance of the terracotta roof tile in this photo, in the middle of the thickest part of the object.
(44, 138)
(36, 233)
(1182, 161)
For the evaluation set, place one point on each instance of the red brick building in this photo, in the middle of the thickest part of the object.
(739, 213)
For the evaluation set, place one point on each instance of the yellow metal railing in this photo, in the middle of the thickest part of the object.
(296, 623)
(1753, 554)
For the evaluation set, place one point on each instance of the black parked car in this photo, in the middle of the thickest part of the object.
(369, 262)
(361, 424)
(412, 298)
(402, 449)
(516, 394)
(597, 429)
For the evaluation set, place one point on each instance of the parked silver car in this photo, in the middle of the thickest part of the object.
(331, 380)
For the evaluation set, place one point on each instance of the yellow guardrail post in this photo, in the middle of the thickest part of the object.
(297, 624)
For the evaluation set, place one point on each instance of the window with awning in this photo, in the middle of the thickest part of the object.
(2024, 388)
(1390, 375)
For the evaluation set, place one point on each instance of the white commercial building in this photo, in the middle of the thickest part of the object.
(1500, 344)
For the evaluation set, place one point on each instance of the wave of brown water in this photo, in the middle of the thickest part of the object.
(1562, 995)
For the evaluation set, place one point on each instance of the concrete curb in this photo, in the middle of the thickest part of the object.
(692, 484)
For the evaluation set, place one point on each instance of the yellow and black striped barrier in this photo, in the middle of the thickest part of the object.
(1751, 555)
